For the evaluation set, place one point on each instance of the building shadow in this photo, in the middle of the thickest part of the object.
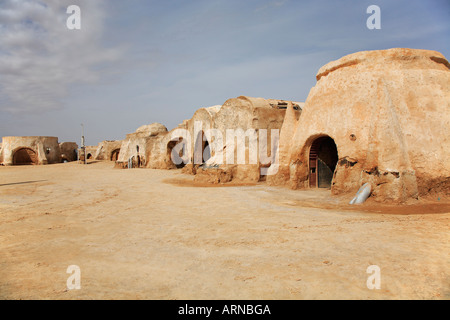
(17, 183)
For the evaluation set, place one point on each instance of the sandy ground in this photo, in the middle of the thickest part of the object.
(138, 234)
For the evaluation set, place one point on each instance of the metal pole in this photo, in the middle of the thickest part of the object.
(83, 147)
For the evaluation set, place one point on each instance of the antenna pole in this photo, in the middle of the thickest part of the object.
(83, 147)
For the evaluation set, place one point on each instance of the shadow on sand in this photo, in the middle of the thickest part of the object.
(24, 182)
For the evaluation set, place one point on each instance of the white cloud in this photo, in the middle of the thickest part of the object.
(40, 58)
(272, 4)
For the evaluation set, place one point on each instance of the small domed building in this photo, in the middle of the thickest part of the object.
(137, 146)
(30, 151)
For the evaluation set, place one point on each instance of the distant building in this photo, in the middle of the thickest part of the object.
(35, 151)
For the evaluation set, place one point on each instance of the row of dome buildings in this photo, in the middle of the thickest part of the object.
(375, 117)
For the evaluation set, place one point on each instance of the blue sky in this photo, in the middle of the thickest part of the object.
(138, 62)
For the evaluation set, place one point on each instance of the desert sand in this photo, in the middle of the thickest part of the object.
(155, 234)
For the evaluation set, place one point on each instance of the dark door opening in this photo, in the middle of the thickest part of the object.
(323, 157)
(176, 152)
(115, 155)
(201, 147)
(25, 156)
(206, 151)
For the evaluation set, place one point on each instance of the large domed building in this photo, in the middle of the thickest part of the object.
(378, 117)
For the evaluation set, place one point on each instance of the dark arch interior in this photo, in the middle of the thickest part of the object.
(138, 161)
(205, 150)
(323, 157)
(89, 156)
(115, 155)
(179, 163)
(25, 156)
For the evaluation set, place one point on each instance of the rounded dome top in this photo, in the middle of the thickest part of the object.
(415, 58)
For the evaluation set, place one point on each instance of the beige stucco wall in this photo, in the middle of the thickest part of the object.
(46, 148)
(106, 148)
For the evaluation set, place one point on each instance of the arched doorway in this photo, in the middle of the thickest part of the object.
(201, 147)
(89, 156)
(25, 156)
(115, 155)
(138, 164)
(176, 152)
(323, 157)
(206, 151)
